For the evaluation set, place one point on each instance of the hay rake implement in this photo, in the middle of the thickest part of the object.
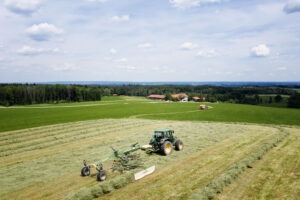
(123, 160)
(163, 141)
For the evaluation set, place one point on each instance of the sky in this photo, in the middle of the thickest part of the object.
(149, 40)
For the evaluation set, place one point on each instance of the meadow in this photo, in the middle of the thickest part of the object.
(19, 117)
(231, 151)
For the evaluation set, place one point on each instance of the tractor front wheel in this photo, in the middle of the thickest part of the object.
(101, 176)
(179, 145)
(85, 171)
(166, 148)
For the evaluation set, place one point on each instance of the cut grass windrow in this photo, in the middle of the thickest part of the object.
(52, 141)
(73, 130)
(217, 185)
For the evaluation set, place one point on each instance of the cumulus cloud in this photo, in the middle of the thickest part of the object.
(24, 7)
(190, 3)
(282, 68)
(145, 45)
(65, 67)
(260, 51)
(188, 46)
(43, 31)
(113, 51)
(127, 67)
(122, 60)
(120, 18)
(207, 53)
(31, 51)
(292, 6)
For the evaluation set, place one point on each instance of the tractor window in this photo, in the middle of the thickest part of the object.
(158, 134)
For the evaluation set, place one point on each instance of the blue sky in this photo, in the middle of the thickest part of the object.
(149, 40)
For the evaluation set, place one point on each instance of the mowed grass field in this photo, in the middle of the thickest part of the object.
(44, 162)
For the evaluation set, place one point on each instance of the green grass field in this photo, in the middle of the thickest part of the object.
(42, 148)
(124, 107)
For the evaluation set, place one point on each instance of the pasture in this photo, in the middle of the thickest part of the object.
(42, 148)
(20, 117)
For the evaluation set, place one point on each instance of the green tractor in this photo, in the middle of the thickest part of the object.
(164, 140)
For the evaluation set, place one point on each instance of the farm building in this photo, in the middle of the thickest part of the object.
(156, 97)
(196, 99)
(181, 97)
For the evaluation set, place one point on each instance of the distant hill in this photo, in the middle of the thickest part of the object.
(222, 83)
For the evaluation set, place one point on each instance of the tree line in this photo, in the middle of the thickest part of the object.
(24, 94)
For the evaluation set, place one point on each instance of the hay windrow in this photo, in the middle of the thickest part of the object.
(101, 188)
(217, 185)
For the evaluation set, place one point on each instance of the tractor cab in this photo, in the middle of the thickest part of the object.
(163, 140)
(164, 133)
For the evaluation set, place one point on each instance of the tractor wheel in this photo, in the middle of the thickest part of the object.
(85, 171)
(101, 176)
(166, 148)
(179, 145)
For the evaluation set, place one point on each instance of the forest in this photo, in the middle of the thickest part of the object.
(24, 94)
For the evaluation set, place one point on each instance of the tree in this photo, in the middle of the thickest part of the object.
(106, 92)
(270, 100)
(168, 97)
(278, 98)
(294, 101)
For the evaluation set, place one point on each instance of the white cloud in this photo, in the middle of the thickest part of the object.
(282, 68)
(65, 67)
(207, 53)
(113, 51)
(127, 67)
(24, 7)
(120, 18)
(188, 46)
(260, 51)
(190, 3)
(43, 31)
(122, 60)
(30, 51)
(145, 45)
(292, 6)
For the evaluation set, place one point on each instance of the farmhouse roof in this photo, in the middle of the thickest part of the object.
(179, 96)
(156, 96)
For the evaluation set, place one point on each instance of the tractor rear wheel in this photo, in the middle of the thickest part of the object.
(101, 176)
(85, 171)
(179, 145)
(166, 148)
